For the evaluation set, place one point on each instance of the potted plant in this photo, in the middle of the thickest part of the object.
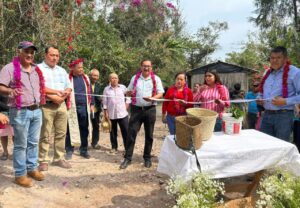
(232, 121)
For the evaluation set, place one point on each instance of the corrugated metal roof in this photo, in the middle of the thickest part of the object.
(220, 67)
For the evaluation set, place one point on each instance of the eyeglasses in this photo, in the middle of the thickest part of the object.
(208, 75)
(146, 66)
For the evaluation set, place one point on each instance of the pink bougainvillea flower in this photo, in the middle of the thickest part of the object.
(170, 5)
(122, 7)
(136, 2)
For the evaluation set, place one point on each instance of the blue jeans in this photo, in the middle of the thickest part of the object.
(27, 127)
(278, 124)
(171, 124)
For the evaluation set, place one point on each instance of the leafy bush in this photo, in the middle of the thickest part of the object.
(199, 191)
(279, 190)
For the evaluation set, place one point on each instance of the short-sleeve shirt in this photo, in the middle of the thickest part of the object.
(55, 78)
(144, 89)
(30, 85)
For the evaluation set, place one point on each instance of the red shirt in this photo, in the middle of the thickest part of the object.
(174, 108)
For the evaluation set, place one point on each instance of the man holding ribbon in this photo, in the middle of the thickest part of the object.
(79, 104)
(279, 92)
(23, 81)
(143, 88)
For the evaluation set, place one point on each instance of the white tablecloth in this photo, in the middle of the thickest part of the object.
(230, 155)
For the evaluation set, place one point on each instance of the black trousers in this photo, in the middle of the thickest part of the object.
(83, 123)
(296, 132)
(123, 124)
(95, 124)
(139, 116)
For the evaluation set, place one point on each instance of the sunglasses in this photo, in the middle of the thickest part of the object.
(255, 85)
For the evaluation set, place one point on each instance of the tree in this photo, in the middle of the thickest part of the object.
(254, 54)
(204, 43)
(279, 24)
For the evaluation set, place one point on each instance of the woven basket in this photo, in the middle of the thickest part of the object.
(208, 118)
(188, 132)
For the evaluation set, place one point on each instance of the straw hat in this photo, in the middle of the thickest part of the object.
(105, 124)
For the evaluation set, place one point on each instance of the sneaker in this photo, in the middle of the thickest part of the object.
(36, 175)
(69, 155)
(85, 155)
(62, 164)
(96, 147)
(23, 181)
(43, 167)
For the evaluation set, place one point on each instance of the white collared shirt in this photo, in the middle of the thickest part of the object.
(55, 78)
(144, 89)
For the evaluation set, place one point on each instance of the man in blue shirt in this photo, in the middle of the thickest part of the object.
(252, 106)
(279, 92)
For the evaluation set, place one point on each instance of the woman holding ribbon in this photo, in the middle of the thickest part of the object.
(180, 96)
(213, 95)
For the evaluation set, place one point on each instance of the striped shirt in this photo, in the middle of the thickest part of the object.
(55, 78)
(212, 93)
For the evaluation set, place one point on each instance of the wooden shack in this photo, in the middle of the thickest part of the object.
(229, 74)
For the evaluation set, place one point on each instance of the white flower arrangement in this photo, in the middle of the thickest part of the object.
(279, 190)
(199, 191)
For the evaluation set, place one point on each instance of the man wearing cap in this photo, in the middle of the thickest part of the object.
(55, 114)
(24, 83)
(279, 92)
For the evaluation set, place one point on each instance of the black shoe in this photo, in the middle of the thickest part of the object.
(85, 155)
(69, 155)
(147, 163)
(96, 147)
(125, 163)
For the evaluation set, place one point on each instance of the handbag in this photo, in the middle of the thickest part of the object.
(105, 124)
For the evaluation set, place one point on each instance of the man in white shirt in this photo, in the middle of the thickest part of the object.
(143, 87)
(54, 111)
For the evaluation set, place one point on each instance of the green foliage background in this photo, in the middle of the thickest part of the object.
(111, 35)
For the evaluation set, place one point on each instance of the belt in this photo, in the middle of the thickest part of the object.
(31, 107)
(143, 107)
(49, 102)
(277, 111)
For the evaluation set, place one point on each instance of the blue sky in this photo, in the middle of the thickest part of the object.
(236, 13)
